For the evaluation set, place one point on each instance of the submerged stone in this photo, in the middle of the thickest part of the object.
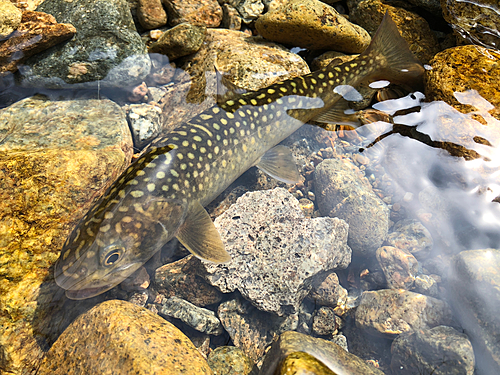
(230, 360)
(56, 158)
(196, 12)
(314, 25)
(120, 337)
(399, 266)
(276, 251)
(181, 40)
(318, 353)
(10, 18)
(107, 50)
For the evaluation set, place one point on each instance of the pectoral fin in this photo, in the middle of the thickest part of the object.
(199, 235)
(279, 163)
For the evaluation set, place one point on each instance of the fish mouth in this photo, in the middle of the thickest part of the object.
(79, 294)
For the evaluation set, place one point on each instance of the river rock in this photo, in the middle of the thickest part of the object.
(151, 14)
(202, 320)
(196, 12)
(230, 360)
(181, 40)
(412, 236)
(324, 322)
(329, 354)
(464, 68)
(251, 330)
(37, 32)
(145, 122)
(326, 290)
(390, 312)
(230, 18)
(439, 351)
(343, 192)
(181, 279)
(120, 337)
(314, 25)
(475, 22)
(106, 50)
(56, 159)
(425, 284)
(10, 18)
(275, 250)
(413, 28)
(400, 267)
(249, 10)
(475, 295)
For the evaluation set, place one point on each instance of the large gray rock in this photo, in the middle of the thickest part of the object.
(474, 286)
(439, 351)
(343, 192)
(275, 250)
(106, 48)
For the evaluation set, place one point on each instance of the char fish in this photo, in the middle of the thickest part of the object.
(162, 194)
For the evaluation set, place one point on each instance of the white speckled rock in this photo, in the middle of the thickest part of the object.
(275, 250)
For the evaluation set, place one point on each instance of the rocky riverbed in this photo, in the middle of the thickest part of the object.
(384, 258)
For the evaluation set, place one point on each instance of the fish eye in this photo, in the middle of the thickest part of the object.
(111, 255)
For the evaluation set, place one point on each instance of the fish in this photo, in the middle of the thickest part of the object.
(162, 194)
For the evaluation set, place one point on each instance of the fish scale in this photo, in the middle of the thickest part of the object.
(162, 194)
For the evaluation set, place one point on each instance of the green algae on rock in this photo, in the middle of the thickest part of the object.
(181, 40)
(314, 25)
(330, 355)
(230, 360)
(55, 159)
(120, 337)
(464, 68)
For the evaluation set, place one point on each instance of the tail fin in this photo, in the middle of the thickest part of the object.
(399, 65)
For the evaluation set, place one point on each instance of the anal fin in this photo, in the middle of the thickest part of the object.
(278, 162)
(199, 235)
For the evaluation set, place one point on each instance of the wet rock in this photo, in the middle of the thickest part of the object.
(119, 335)
(438, 351)
(390, 312)
(202, 320)
(474, 22)
(275, 250)
(330, 355)
(414, 29)
(181, 279)
(249, 10)
(425, 284)
(196, 12)
(138, 281)
(230, 360)
(300, 362)
(10, 18)
(36, 32)
(181, 40)
(326, 290)
(432, 6)
(412, 236)
(475, 295)
(145, 122)
(151, 14)
(399, 267)
(314, 25)
(139, 298)
(340, 340)
(324, 321)
(230, 18)
(106, 48)
(465, 68)
(343, 192)
(251, 330)
(56, 158)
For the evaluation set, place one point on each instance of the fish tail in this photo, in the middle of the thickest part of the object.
(396, 63)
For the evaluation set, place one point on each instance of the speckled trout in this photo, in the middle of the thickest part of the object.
(162, 194)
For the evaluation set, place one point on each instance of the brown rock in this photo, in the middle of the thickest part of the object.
(37, 32)
(179, 41)
(327, 291)
(151, 14)
(230, 18)
(196, 12)
(465, 68)
(181, 279)
(120, 337)
(399, 267)
(56, 159)
(390, 312)
(229, 360)
(414, 29)
(10, 18)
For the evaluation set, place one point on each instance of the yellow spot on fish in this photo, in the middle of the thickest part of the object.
(185, 143)
(230, 102)
(283, 89)
(330, 74)
(174, 173)
(313, 81)
(90, 233)
(183, 166)
(231, 130)
(105, 228)
(253, 101)
(118, 227)
(261, 96)
(216, 126)
(140, 173)
(190, 155)
(186, 183)
(123, 208)
(205, 117)
(229, 115)
(215, 110)
(151, 187)
(244, 148)
(321, 76)
(150, 165)
(242, 102)
(165, 188)
(108, 215)
(175, 187)
(180, 156)
(224, 164)
(182, 132)
(127, 219)
(223, 121)
(271, 91)
(137, 193)
(160, 175)
(216, 150)
(121, 193)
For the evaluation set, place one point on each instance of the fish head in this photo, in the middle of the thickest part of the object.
(111, 244)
